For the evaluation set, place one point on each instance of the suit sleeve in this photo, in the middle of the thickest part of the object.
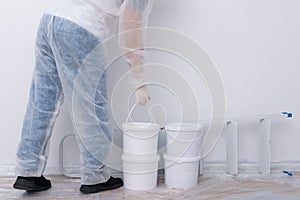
(134, 16)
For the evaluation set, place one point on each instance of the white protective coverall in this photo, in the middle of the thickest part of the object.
(70, 67)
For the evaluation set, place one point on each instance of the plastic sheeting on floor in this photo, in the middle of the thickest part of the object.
(277, 186)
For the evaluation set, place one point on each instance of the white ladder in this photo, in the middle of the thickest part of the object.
(231, 130)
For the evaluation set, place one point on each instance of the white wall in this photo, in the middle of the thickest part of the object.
(254, 43)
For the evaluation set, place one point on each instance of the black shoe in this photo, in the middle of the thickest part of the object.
(32, 184)
(112, 183)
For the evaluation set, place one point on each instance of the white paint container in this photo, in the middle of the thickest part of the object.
(140, 172)
(140, 138)
(181, 173)
(183, 140)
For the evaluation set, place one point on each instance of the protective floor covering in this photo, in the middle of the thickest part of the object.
(211, 186)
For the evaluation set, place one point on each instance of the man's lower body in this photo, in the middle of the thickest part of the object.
(70, 67)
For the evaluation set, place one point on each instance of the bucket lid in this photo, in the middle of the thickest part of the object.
(140, 158)
(181, 160)
(183, 127)
(140, 126)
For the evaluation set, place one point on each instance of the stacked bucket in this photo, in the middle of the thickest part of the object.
(182, 158)
(140, 157)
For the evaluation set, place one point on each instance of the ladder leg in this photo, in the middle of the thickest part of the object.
(231, 145)
(264, 146)
(201, 167)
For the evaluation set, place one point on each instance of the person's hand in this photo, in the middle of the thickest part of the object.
(141, 95)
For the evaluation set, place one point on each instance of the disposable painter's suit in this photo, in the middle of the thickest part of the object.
(70, 67)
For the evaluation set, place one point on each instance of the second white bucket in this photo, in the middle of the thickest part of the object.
(181, 173)
(183, 140)
(140, 173)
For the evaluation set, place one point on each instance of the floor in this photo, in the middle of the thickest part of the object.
(210, 187)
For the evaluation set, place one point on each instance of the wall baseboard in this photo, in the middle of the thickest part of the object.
(7, 170)
(250, 167)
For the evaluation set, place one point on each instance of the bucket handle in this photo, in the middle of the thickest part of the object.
(149, 113)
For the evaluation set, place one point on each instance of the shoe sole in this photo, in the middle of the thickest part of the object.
(25, 185)
(100, 189)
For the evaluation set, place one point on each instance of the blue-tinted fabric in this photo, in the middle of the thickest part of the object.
(69, 68)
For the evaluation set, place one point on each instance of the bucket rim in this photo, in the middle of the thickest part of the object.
(181, 159)
(140, 126)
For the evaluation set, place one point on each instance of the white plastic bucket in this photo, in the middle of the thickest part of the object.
(181, 173)
(140, 172)
(140, 137)
(183, 139)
